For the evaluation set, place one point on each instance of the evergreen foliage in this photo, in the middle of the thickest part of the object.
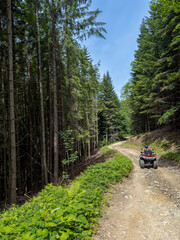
(55, 89)
(154, 89)
(111, 125)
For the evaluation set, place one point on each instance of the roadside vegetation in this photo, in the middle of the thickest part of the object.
(165, 143)
(67, 212)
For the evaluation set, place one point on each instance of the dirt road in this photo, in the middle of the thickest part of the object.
(146, 206)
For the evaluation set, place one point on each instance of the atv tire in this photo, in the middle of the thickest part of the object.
(155, 165)
(141, 163)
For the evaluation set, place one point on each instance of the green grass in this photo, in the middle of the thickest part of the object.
(66, 213)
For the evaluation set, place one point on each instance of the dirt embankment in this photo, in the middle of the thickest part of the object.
(146, 206)
(165, 142)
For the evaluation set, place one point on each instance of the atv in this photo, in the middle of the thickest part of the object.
(148, 159)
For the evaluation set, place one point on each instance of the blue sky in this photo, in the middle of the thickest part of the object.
(123, 19)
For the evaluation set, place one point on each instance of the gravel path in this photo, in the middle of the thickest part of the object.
(145, 206)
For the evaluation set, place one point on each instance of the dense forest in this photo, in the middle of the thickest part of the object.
(51, 96)
(152, 95)
(55, 108)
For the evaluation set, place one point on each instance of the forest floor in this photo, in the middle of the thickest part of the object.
(144, 206)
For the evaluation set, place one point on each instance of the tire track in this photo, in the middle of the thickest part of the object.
(145, 206)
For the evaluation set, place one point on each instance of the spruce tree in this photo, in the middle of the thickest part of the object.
(109, 113)
(154, 87)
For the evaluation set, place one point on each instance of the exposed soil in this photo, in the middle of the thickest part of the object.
(145, 206)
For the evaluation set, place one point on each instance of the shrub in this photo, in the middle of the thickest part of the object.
(164, 143)
(65, 213)
(172, 156)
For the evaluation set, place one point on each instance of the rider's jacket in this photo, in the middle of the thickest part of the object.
(143, 151)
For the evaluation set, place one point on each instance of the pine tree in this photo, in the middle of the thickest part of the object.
(154, 87)
(53, 76)
(109, 114)
(11, 107)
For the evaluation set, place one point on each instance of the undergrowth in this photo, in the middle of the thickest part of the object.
(66, 213)
(172, 156)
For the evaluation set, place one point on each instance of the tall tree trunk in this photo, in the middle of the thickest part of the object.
(84, 148)
(44, 177)
(49, 124)
(11, 109)
(106, 136)
(89, 142)
(5, 120)
(148, 123)
(30, 121)
(97, 137)
(19, 184)
(94, 122)
(55, 96)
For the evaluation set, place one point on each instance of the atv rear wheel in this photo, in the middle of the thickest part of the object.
(155, 165)
(141, 163)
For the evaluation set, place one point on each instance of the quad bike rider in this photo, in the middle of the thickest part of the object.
(147, 158)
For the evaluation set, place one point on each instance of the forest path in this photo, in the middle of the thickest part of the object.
(145, 206)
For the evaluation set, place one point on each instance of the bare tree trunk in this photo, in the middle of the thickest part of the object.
(43, 144)
(106, 136)
(30, 122)
(19, 185)
(87, 122)
(94, 123)
(49, 124)
(5, 147)
(55, 97)
(11, 110)
(148, 123)
(97, 138)
(84, 148)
